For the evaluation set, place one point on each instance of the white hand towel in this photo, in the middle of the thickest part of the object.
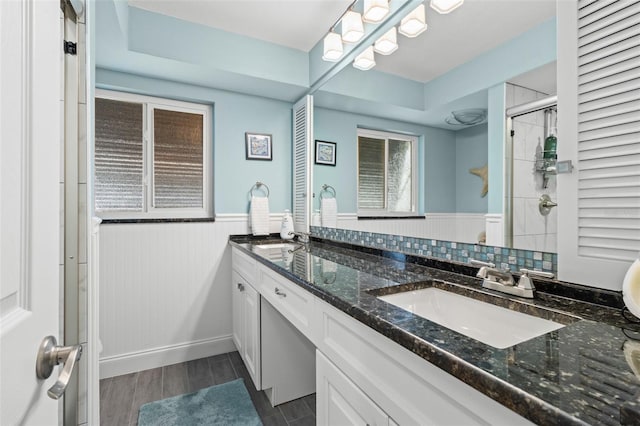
(259, 214)
(329, 212)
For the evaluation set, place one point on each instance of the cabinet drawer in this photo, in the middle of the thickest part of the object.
(293, 302)
(244, 265)
(340, 401)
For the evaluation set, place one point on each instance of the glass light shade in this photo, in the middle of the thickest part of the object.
(365, 60)
(388, 43)
(414, 23)
(445, 6)
(352, 27)
(375, 10)
(332, 50)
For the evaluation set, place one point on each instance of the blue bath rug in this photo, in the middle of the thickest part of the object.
(225, 404)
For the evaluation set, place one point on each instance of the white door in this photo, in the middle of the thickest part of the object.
(30, 192)
(251, 312)
(237, 284)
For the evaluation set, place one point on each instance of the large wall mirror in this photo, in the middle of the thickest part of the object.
(450, 88)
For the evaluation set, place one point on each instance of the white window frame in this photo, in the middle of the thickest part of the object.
(378, 134)
(149, 104)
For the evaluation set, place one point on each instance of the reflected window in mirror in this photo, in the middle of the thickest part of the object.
(387, 171)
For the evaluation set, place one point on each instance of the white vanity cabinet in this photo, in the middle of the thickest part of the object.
(246, 315)
(360, 376)
(268, 314)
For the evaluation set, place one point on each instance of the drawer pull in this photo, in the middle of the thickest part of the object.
(280, 293)
(240, 287)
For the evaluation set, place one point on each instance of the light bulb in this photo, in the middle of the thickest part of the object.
(375, 10)
(365, 60)
(352, 27)
(387, 44)
(445, 6)
(414, 23)
(332, 50)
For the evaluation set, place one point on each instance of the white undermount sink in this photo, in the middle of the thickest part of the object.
(276, 246)
(276, 251)
(493, 325)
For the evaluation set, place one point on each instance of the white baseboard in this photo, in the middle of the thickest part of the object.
(158, 357)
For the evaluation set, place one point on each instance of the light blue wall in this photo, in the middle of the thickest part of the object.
(530, 50)
(382, 88)
(471, 152)
(496, 135)
(437, 149)
(234, 114)
(167, 37)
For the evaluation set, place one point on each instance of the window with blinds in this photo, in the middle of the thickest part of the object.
(151, 158)
(387, 170)
(608, 129)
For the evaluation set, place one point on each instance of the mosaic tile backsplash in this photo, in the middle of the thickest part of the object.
(505, 258)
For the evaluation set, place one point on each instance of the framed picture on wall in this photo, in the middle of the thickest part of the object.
(326, 153)
(258, 146)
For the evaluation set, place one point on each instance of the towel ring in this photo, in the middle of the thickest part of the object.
(258, 185)
(329, 189)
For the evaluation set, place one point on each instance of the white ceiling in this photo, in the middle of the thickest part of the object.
(451, 40)
(293, 23)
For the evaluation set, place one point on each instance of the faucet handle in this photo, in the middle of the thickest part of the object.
(482, 272)
(525, 279)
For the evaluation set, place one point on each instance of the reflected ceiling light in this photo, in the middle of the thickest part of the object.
(352, 27)
(365, 60)
(375, 10)
(445, 6)
(467, 117)
(388, 43)
(332, 50)
(414, 23)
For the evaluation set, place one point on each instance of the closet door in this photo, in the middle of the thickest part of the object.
(599, 131)
(302, 163)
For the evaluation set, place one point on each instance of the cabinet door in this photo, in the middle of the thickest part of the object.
(251, 344)
(340, 402)
(237, 285)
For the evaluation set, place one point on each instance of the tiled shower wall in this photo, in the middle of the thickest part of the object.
(505, 258)
(531, 230)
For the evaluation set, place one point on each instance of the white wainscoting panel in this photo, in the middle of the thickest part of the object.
(495, 229)
(165, 293)
(460, 227)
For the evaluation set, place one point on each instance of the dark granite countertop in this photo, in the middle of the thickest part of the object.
(578, 374)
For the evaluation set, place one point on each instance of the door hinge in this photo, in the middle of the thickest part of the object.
(70, 47)
(513, 133)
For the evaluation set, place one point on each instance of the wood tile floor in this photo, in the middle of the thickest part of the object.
(122, 396)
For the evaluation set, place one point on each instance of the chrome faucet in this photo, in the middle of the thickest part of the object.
(303, 237)
(502, 280)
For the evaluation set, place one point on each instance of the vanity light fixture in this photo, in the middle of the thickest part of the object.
(375, 10)
(388, 43)
(445, 6)
(414, 23)
(352, 27)
(332, 50)
(366, 60)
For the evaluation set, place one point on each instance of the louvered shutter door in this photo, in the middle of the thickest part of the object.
(600, 116)
(302, 164)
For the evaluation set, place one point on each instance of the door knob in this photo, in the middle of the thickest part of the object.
(50, 355)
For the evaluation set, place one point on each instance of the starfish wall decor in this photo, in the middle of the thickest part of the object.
(482, 173)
